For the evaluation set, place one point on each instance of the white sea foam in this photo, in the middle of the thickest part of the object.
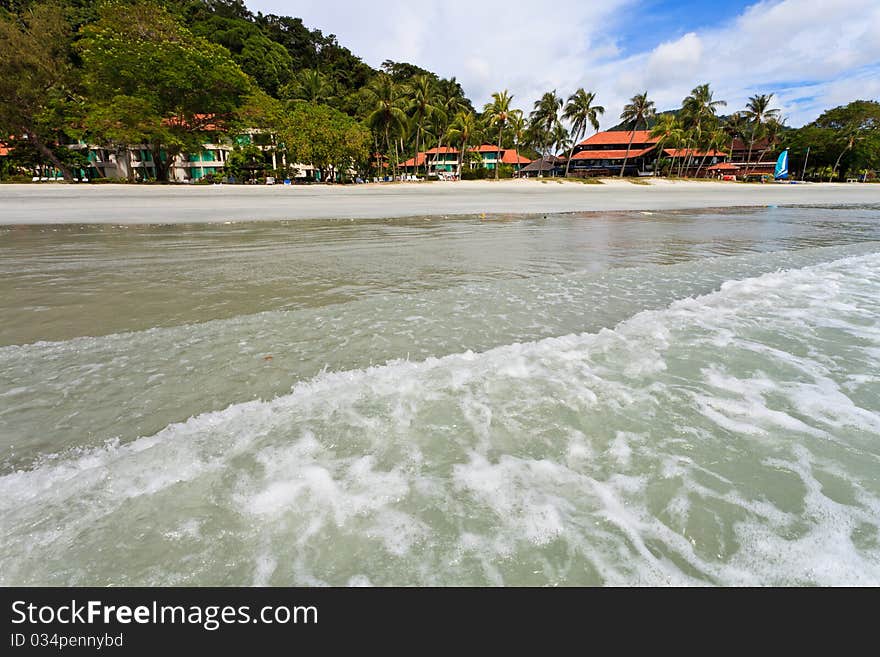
(645, 454)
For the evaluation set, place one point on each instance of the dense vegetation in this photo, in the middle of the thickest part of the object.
(170, 75)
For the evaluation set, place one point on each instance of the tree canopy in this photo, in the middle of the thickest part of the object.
(172, 75)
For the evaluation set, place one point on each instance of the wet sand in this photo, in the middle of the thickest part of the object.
(132, 204)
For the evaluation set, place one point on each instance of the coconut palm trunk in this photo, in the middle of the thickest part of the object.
(749, 156)
(632, 135)
(416, 157)
(461, 157)
(47, 152)
(839, 158)
(498, 155)
(570, 154)
(659, 156)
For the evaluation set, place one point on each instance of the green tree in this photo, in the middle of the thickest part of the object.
(232, 26)
(497, 113)
(856, 135)
(699, 111)
(463, 131)
(560, 138)
(387, 116)
(849, 138)
(140, 51)
(246, 162)
(450, 101)
(119, 122)
(37, 79)
(735, 126)
(666, 129)
(639, 109)
(422, 106)
(544, 118)
(756, 114)
(773, 128)
(516, 125)
(309, 86)
(581, 112)
(716, 140)
(330, 140)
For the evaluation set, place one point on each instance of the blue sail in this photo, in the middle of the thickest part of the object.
(781, 172)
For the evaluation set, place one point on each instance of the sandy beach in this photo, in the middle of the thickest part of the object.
(116, 204)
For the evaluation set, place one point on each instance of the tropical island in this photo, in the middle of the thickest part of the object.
(334, 322)
(210, 92)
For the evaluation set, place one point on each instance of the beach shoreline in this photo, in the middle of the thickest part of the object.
(38, 204)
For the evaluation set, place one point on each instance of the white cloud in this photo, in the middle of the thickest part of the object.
(812, 54)
(675, 61)
(526, 46)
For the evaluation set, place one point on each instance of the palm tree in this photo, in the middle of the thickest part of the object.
(637, 110)
(665, 129)
(699, 110)
(422, 106)
(756, 113)
(516, 124)
(850, 138)
(450, 101)
(463, 130)
(497, 114)
(544, 117)
(716, 140)
(309, 86)
(735, 127)
(560, 139)
(772, 128)
(387, 116)
(580, 112)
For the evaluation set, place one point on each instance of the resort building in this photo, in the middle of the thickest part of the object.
(603, 154)
(761, 161)
(688, 162)
(445, 159)
(549, 165)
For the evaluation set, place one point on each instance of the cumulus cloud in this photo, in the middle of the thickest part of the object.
(811, 53)
(525, 46)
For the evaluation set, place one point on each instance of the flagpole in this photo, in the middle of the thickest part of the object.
(806, 159)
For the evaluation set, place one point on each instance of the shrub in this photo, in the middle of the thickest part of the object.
(18, 178)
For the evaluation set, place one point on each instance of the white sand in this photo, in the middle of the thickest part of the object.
(60, 203)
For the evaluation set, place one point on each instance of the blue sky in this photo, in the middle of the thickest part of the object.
(811, 54)
(660, 20)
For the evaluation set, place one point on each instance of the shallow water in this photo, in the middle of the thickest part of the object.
(633, 398)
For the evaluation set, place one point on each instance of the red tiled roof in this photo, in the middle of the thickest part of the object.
(201, 122)
(512, 157)
(411, 162)
(620, 137)
(485, 148)
(684, 152)
(445, 150)
(610, 155)
(723, 166)
(741, 145)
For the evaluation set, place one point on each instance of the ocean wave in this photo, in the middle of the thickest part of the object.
(86, 391)
(726, 439)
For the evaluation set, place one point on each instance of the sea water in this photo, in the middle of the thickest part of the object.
(682, 398)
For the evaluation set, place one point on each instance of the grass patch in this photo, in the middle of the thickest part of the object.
(638, 181)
